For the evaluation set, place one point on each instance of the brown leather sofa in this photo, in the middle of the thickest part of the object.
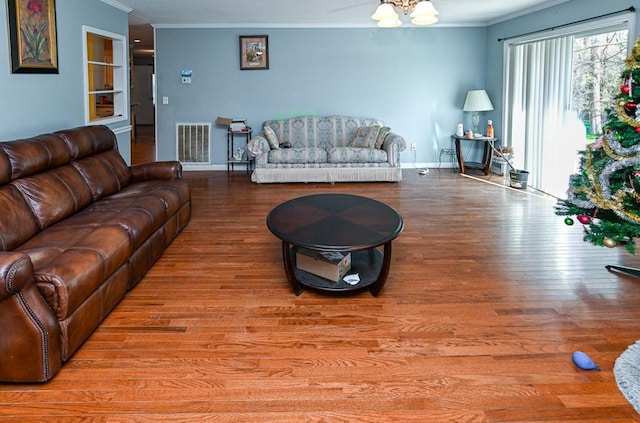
(78, 228)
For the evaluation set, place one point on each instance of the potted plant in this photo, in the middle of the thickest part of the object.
(518, 178)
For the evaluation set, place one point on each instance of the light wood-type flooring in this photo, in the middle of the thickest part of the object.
(488, 296)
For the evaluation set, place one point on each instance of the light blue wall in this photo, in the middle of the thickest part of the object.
(565, 13)
(32, 104)
(414, 79)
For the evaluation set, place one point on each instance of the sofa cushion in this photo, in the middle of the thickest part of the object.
(72, 267)
(55, 195)
(34, 155)
(18, 223)
(88, 140)
(271, 136)
(106, 173)
(320, 132)
(5, 168)
(297, 156)
(365, 137)
(356, 155)
(382, 134)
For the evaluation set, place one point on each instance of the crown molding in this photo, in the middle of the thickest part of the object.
(118, 5)
(307, 26)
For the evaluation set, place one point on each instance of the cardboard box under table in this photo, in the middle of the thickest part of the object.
(329, 265)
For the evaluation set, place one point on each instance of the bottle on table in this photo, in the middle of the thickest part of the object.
(490, 129)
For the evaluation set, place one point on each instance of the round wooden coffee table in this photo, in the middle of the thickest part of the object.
(337, 223)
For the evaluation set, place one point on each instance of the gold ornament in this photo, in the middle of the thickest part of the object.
(610, 243)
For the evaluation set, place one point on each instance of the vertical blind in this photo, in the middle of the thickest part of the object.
(538, 104)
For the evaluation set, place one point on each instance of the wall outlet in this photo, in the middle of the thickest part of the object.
(165, 100)
(413, 147)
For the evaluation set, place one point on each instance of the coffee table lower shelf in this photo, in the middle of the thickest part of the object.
(370, 265)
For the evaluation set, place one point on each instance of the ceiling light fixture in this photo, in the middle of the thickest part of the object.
(423, 12)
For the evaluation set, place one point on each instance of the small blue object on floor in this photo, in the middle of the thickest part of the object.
(583, 361)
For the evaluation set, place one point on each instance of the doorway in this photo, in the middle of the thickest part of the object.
(142, 94)
(143, 148)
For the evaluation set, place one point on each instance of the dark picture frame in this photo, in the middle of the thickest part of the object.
(254, 52)
(33, 36)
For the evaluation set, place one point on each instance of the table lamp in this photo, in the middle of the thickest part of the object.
(477, 101)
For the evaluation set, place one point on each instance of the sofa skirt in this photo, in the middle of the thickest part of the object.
(327, 175)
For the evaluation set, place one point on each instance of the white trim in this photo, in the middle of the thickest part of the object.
(122, 68)
(118, 5)
(372, 25)
(192, 168)
(122, 129)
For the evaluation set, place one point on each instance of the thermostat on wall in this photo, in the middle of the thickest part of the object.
(186, 75)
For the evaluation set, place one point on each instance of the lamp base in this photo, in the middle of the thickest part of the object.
(475, 120)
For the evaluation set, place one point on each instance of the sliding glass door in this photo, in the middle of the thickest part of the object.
(556, 90)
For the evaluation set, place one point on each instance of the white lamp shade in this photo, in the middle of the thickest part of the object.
(389, 23)
(477, 101)
(384, 12)
(424, 20)
(423, 9)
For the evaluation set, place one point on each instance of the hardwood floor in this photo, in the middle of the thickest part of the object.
(488, 296)
(143, 149)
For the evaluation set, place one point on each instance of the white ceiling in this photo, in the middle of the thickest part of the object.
(306, 13)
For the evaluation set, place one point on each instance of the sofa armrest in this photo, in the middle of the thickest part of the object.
(259, 148)
(156, 170)
(393, 145)
(30, 345)
(16, 272)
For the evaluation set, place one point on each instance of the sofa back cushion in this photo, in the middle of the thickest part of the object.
(49, 177)
(94, 152)
(54, 195)
(5, 168)
(105, 173)
(30, 156)
(317, 131)
(17, 222)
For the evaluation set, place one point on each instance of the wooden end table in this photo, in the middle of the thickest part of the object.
(485, 164)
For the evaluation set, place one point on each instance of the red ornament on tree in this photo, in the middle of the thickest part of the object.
(584, 219)
(638, 129)
(625, 89)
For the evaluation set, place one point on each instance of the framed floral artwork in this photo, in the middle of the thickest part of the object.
(254, 52)
(32, 33)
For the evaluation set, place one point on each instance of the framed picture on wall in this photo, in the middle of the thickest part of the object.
(32, 33)
(254, 52)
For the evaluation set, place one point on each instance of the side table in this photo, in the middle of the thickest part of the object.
(487, 153)
(245, 160)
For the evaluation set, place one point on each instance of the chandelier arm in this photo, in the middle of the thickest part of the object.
(405, 5)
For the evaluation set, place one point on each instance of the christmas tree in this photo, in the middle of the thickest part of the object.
(605, 195)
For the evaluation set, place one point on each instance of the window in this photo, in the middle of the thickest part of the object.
(556, 86)
(105, 76)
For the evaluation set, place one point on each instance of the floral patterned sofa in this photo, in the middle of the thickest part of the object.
(326, 149)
